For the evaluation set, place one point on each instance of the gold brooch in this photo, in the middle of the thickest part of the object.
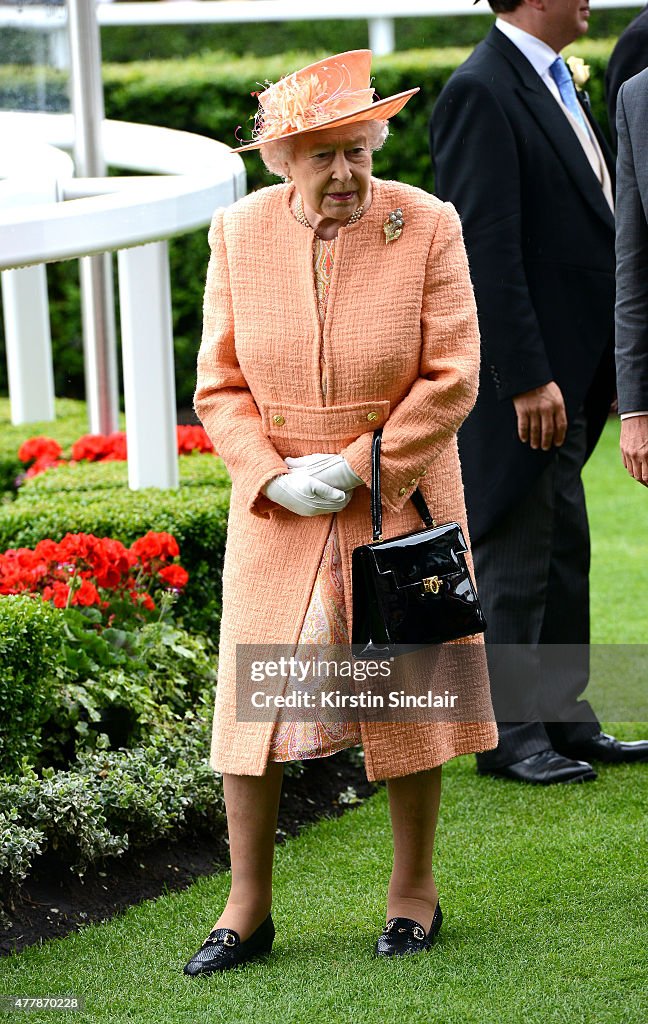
(393, 226)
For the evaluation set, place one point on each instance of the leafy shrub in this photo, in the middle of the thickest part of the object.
(19, 846)
(119, 687)
(110, 802)
(31, 635)
(210, 95)
(66, 808)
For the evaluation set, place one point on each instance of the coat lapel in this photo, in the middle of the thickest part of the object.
(608, 155)
(554, 124)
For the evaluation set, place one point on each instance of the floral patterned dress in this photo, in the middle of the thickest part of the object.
(325, 622)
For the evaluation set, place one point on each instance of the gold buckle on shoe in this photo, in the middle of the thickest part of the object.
(229, 940)
(418, 932)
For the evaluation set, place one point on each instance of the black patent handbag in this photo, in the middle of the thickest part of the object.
(413, 590)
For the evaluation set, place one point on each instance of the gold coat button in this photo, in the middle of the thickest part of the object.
(279, 420)
(372, 416)
(413, 482)
(423, 472)
(403, 491)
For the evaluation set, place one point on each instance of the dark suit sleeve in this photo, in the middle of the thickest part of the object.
(632, 275)
(629, 57)
(477, 169)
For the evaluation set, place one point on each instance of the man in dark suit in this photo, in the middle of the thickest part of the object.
(517, 151)
(632, 274)
(628, 58)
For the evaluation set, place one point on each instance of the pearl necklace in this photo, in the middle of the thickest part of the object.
(301, 217)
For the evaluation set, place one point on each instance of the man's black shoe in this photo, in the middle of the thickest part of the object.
(544, 768)
(608, 749)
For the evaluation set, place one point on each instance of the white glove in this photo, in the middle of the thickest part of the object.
(330, 469)
(305, 495)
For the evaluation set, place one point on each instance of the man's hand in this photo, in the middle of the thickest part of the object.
(634, 447)
(541, 416)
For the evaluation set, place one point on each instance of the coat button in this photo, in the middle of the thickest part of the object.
(403, 491)
(279, 420)
(423, 472)
(372, 416)
(413, 482)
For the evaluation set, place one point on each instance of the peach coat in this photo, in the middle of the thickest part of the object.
(401, 344)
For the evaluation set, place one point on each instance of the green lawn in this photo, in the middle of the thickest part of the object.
(544, 890)
(618, 513)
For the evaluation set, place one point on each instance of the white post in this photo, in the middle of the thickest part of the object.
(147, 355)
(99, 350)
(99, 342)
(59, 48)
(382, 37)
(29, 344)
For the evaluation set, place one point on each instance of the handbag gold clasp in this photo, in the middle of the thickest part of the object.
(431, 584)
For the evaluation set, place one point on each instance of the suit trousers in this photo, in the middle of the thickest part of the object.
(532, 573)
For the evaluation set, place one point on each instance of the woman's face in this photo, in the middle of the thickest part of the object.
(331, 170)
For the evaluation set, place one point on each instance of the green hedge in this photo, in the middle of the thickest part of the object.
(122, 43)
(210, 95)
(160, 42)
(31, 634)
(93, 497)
(70, 424)
(100, 503)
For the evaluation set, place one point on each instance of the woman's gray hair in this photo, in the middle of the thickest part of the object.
(278, 155)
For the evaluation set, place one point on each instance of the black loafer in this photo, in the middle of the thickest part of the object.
(402, 935)
(608, 749)
(545, 768)
(223, 949)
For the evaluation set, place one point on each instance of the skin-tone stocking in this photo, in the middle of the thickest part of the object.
(252, 805)
(414, 807)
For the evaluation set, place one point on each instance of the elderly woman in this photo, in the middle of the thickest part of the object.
(335, 304)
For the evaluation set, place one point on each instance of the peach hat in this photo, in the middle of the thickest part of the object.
(330, 93)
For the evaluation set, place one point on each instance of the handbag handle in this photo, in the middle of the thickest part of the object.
(376, 498)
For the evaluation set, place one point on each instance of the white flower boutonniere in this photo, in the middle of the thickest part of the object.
(580, 71)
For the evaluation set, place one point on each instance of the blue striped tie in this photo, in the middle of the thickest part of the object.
(563, 79)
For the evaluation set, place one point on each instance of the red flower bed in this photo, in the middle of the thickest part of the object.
(85, 570)
(100, 447)
(46, 452)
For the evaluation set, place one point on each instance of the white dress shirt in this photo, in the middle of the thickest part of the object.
(538, 53)
(541, 56)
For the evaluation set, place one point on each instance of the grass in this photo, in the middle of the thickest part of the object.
(544, 894)
(544, 890)
(618, 513)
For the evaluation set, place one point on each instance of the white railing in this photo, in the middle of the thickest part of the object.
(47, 214)
(379, 14)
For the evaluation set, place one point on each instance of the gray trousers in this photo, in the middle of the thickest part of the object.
(532, 573)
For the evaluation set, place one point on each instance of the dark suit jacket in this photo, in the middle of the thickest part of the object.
(628, 58)
(632, 246)
(540, 241)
